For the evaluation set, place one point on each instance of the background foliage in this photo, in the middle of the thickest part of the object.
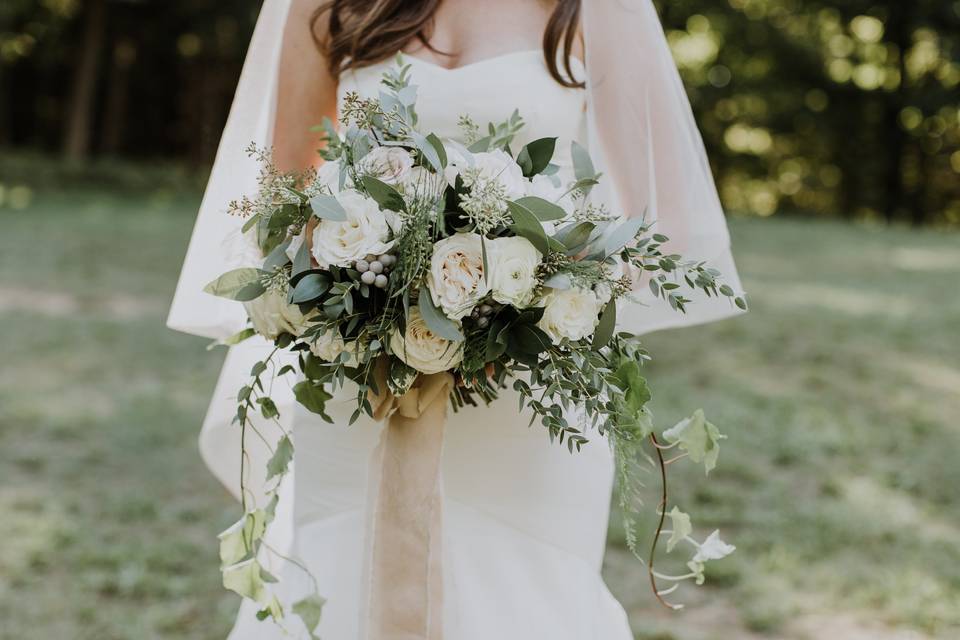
(821, 107)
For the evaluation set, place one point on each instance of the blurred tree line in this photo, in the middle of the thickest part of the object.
(825, 107)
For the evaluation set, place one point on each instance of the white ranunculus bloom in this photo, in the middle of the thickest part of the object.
(329, 345)
(421, 349)
(329, 175)
(365, 231)
(387, 164)
(272, 315)
(456, 279)
(571, 313)
(513, 266)
(500, 166)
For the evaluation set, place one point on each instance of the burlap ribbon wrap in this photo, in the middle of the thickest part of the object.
(403, 569)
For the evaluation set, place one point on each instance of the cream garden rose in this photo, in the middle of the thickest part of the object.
(513, 270)
(570, 313)
(365, 231)
(500, 166)
(329, 346)
(272, 315)
(421, 349)
(456, 280)
(387, 164)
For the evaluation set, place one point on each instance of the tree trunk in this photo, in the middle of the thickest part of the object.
(83, 92)
(896, 197)
(115, 113)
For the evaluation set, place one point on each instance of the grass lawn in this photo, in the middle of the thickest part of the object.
(840, 393)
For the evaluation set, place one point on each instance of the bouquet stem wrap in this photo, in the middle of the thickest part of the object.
(403, 574)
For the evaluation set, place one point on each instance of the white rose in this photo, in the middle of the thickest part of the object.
(329, 175)
(421, 349)
(458, 159)
(329, 345)
(365, 231)
(571, 314)
(456, 280)
(513, 270)
(387, 164)
(500, 166)
(272, 315)
(422, 184)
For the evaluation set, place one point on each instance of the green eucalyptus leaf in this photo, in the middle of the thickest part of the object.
(327, 207)
(608, 322)
(526, 225)
(235, 339)
(385, 195)
(543, 210)
(438, 323)
(243, 284)
(310, 287)
(622, 234)
(536, 156)
(429, 151)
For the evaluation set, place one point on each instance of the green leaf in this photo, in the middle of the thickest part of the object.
(636, 394)
(441, 151)
(250, 223)
(608, 322)
(680, 523)
(235, 339)
(268, 408)
(429, 151)
(280, 460)
(438, 323)
(575, 236)
(698, 438)
(309, 609)
(244, 579)
(535, 156)
(526, 225)
(310, 287)
(278, 258)
(238, 541)
(313, 397)
(283, 216)
(481, 145)
(240, 284)
(301, 261)
(327, 207)
(385, 195)
(582, 164)
(618, 238)
(544, 210)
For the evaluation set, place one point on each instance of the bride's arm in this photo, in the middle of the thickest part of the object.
(307, 90)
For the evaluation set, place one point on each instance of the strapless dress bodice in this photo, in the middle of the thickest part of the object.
(488, 91)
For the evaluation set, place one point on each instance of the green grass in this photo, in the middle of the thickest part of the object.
(839, 393)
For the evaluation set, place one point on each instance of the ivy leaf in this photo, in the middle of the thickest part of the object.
(535, 156)
(243, 285)
(636, 394)
(699, 438)
(313, 397)
(385, 195)
(280, 460)
(245, 580)
(309, 610)
(680, 523)
(328, 207)
(438, 323)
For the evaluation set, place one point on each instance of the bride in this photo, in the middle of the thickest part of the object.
(524, 523)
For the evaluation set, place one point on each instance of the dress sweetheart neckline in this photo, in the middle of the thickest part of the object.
(478, 63)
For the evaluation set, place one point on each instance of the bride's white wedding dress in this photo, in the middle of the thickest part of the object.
(524, 521)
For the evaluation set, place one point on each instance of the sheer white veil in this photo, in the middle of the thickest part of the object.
(642, 136)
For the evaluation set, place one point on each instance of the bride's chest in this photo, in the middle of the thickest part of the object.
(486, 91)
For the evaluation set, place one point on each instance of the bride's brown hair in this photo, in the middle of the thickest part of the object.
(363, 32)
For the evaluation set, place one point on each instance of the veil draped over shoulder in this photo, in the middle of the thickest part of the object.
(642, 136)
